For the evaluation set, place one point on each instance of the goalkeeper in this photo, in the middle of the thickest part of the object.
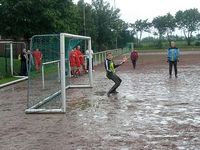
(110, 72)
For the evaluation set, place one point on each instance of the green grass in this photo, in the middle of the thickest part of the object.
(153, 45)
(48, 69)
(7, 79)
(6, 72)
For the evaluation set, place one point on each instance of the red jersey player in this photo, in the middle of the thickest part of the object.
(37, 55)
(74, 62)
(81, 58)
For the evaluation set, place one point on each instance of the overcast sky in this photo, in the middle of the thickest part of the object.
(131, 10)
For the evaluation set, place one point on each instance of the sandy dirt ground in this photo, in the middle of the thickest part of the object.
(151, 111)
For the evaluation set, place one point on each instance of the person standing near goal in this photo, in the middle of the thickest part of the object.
(37, 55)
(77, 71)
(72, 60)
(87, 53)
(110, 72)
(173, 58)
(81, 58)
(23, 58)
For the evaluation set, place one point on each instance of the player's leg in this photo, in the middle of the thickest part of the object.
(87, 64)
(77, 71)
(117, 81)
(24, 68)
(92, 64)
(175, 69)
(170, 69)
(36, 65)
(39, 65)
(134, 64)
(72, 70)
(83, 67)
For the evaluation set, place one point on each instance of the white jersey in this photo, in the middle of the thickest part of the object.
(87, 53)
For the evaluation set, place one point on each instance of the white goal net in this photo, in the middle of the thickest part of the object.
(49, 80)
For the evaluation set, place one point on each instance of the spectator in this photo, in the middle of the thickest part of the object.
(29, 59)
(23, 59)
(87, 53)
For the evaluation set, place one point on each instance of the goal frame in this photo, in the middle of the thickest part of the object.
(62, 91)
(11, 54)
(21, 78)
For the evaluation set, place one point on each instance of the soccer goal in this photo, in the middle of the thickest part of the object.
(10, 51)
(10, 64)
(47, 87)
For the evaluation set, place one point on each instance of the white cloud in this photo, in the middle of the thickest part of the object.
(148, 9)
(131, 10)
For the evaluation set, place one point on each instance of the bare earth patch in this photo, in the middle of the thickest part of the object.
(150, 111)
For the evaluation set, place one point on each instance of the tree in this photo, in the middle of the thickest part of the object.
(24, 18)
(170, 24)
(141, 26)
(159, 23)
(86, 23)
(125, 36)
(188, 21)
(107, 21)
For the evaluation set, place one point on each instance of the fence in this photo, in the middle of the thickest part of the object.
(99, 57)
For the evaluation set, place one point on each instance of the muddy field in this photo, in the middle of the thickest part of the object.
(151, 111)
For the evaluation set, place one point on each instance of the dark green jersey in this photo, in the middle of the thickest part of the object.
(110, 66)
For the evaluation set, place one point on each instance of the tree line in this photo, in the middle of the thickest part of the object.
(25, 18)
(187, 21)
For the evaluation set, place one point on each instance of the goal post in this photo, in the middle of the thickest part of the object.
(10, 64)
(12, 55)
(57, 62)
(48, 95)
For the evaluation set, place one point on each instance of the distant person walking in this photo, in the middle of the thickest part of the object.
(134, 58)
(37, 55)
(110, 72)
(173, 57)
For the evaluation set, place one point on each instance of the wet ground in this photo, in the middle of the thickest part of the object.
(150, 111)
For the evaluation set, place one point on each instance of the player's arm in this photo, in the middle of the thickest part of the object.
(122, 62)
(178, 54)
(168, 55)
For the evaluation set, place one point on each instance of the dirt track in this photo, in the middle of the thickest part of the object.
(150, 112)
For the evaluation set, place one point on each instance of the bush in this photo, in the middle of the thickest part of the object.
(197, 43)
